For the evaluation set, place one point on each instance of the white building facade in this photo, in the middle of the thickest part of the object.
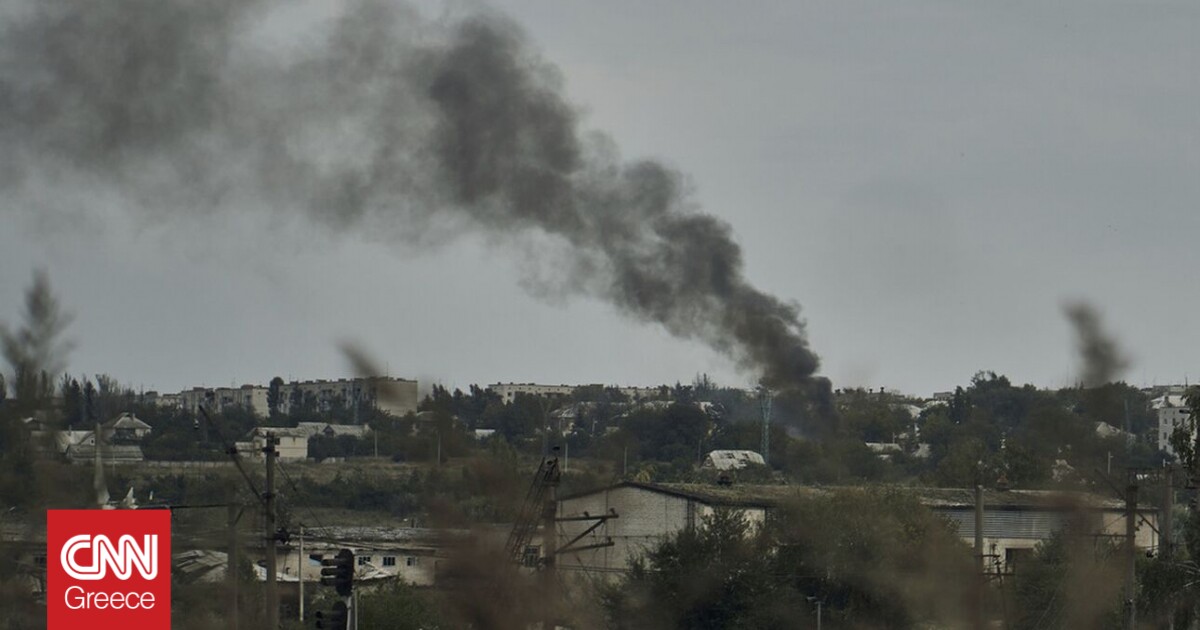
(396, 396)
(1173, 413)
(508, 391)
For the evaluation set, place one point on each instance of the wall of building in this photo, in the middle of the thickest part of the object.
(508, 391)
(644, 520)
(290, 447)
(1010, 535)
(1170, 418)
(400, 399)
(401, 395)
(415, 566)
(218, 399)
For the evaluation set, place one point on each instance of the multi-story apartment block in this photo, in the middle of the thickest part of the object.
(396, 396)
(251, 397)
(508, 391)
(1173, 413)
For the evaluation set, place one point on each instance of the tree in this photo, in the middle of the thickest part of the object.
(873, 558)
(73, 404)
(399, 606)
(1072, 581)
(274, 396)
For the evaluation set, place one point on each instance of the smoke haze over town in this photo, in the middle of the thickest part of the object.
(928, 197)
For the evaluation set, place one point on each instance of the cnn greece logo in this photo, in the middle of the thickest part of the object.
(112, 569)
(122, 557)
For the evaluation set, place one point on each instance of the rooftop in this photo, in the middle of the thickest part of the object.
(762, 495)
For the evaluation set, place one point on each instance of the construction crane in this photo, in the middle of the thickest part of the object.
(538, 506)
(541, 509)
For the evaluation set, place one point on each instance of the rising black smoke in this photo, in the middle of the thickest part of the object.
(375, 121)
(1102, 359)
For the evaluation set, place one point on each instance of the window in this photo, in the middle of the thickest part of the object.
(410, 561)
(531, 556)
(1014, 559)
(364, 560)
(389, 561)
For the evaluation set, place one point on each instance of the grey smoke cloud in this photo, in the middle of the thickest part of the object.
(377, 122)
(1103, 361)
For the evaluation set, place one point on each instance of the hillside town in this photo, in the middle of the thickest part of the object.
(591, 482)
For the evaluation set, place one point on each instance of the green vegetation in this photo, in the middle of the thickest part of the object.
(872, 558)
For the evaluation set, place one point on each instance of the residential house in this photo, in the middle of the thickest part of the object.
(124, 429)
(291, 443)
(326, 429)
(380, 553)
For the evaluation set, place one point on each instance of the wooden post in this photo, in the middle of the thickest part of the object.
(1130, 553)
(980, 565)
(1164, 544)
(272, 589)
(300, 573)
(550, 542)
(231, 560)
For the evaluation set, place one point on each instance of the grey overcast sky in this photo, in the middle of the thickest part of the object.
(930, 181)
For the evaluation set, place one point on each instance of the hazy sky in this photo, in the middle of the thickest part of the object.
(930, 181)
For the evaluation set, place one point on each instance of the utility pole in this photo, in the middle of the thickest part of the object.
(1130, 553)
(1165, 541)
(272, 589)
(550, 542)
(764, 405)
(231, 560)
(300, 573)
(979, 560)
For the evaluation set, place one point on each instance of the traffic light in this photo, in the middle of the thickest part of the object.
(338, 572)
(335, 619)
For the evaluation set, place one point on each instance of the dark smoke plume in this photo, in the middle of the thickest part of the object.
(375, 121)
(1102, 359)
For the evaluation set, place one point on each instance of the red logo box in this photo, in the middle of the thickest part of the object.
(108, 569)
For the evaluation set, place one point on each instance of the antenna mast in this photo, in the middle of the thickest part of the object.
(764, 405)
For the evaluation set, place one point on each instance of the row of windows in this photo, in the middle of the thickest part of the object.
(388, 561)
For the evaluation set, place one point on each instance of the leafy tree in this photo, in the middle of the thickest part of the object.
(703, 386)
(524, 417)
(871, 417)
(1186, 439)
(669, 435)
(399, 606)
(1071, 582)
(874, 558)
(73, 402)
(275, 397)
